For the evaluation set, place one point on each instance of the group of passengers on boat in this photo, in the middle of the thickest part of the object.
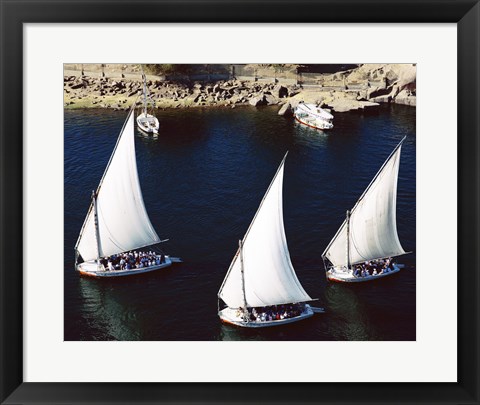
(132, 260)
(373, 268)
(272, 312)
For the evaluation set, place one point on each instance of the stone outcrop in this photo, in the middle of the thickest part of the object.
(387, 82)
(363, 87)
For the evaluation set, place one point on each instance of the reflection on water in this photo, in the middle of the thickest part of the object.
(202, 181)
(105, 307)
(363, 310)
(310, 137)
(344, 304)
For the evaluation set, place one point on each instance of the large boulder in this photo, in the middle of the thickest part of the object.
(77, 85)
(280, 91)
(270, 99)
(132, 93)
(235, 99)
(382, 99)
(406, 97)
(285, 110)
(258, 100)
(377, 92)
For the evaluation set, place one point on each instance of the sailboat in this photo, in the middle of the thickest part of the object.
(261, 288)
(367, 241)
(147, 123)
(117, 225)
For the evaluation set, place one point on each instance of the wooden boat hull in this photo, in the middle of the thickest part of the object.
(228, 315)
(89, 269)
(340, 276)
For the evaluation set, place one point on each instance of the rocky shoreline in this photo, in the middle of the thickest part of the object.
(362, 88)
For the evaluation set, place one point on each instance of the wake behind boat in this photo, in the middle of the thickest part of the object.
(313, 116)
(117, 225)
(365, 244)
(147, 123)
(261, 288)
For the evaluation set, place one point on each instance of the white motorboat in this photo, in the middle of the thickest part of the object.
(117, 221)
(313, 116)
(261, 288)
(147, 123)
(364, 245)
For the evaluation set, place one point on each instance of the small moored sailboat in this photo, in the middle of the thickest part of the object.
(261, 288)
(147, 123)
(363, 247)
(313, 116)
(117, 222)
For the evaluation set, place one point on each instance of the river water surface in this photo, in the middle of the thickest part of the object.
(202, 181)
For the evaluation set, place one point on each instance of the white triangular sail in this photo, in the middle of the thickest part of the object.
(123, 222)
(373, 225)
(269, 277)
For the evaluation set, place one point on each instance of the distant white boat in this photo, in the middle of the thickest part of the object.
(117, 221)
(147, 123)
(313, 116)
(261, 288)
(368, 236)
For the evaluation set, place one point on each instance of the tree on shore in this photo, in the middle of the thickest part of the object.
(166, 69)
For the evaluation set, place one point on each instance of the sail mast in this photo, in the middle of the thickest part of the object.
(245, 311)
(95, 221)
(144, 93)
(348, 239)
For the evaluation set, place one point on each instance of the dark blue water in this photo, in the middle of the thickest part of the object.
(202, 181)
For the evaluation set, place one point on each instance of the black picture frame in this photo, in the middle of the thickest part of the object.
(465, 13)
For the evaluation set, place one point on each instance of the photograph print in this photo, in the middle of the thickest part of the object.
(239, 202)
